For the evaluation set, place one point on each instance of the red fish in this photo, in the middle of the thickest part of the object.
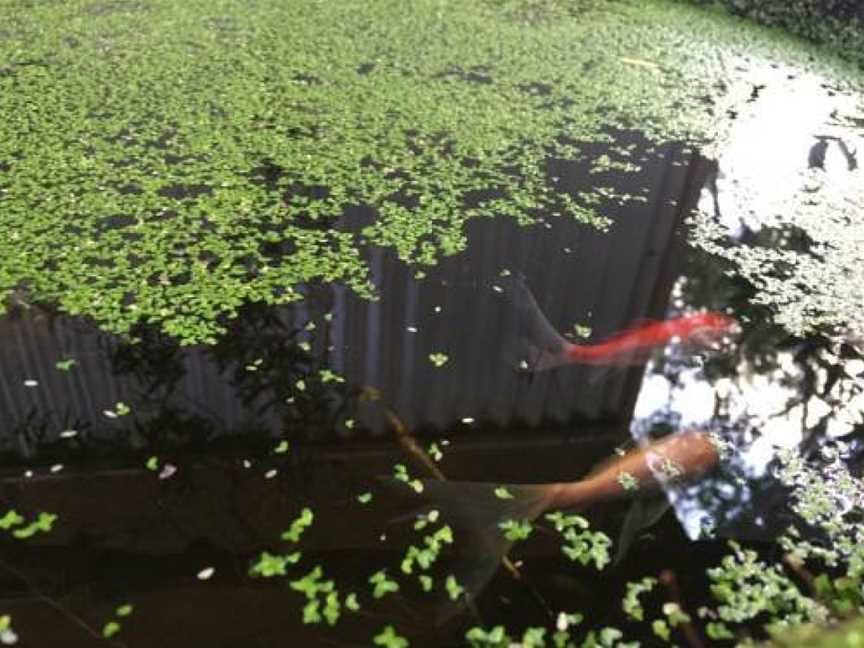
(546, 348)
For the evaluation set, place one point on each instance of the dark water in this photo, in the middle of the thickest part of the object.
(208, 421)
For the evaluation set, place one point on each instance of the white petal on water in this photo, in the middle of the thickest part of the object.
(206, 573)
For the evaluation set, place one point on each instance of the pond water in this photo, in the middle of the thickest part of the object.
(337, 466)
(170, 468)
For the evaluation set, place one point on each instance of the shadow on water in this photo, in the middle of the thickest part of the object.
(172, 468)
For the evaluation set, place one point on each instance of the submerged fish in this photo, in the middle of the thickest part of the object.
(481, 512)
(546, 348)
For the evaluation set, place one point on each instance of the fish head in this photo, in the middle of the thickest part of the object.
(712, 329)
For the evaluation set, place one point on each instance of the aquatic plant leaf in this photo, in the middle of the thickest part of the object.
(110, 629)
(389, 639)
(10, 519)
(299, 525)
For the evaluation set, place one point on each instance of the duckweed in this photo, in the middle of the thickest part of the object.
(170, 168)
(299, 525)
(381, 584)
(631, 604)
(389, 639)
(515, 530)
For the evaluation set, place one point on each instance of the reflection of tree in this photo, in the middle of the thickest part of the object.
(274, 369)
(271, 366)
(813, 390)
(271, 371)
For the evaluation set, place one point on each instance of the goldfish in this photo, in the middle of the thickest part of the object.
(546, 348)
(480, 511)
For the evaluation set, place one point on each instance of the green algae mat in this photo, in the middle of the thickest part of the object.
(167, 162)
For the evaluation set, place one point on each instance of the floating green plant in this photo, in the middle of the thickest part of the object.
(389, 639)
(630, 604)
(381, 584)
(299, 525)
(232, 139)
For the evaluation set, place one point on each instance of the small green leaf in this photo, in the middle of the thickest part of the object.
(502, 493)
(389, 639)
(65, 365)
(298, 526)
(270, 565)
(534, 638)
(124, 610)
(628, 481)
(45, 521)
(515, 530)
(454, 589)
(438, 359)
(332, 608)
(716, 630)
(328, 376)
(10, 519)
(111, 628)
(381, 584)
(675, 614)
(661, 629)
(311, 611)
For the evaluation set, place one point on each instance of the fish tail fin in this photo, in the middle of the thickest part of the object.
(541, 347)
(478, 516)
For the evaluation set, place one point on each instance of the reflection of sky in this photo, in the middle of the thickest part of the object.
(767, 177)
(690, 401)
(754, 418)
(763, 157)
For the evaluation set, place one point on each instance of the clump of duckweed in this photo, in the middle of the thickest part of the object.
(580, 543)
(630, 604)
(787, 214)
(748, 587)
(169, 170)
(322, 598)
(400, 473)
(515, 530)
(389, 638)
(15, 523)
(382, 584)
(114, 626)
